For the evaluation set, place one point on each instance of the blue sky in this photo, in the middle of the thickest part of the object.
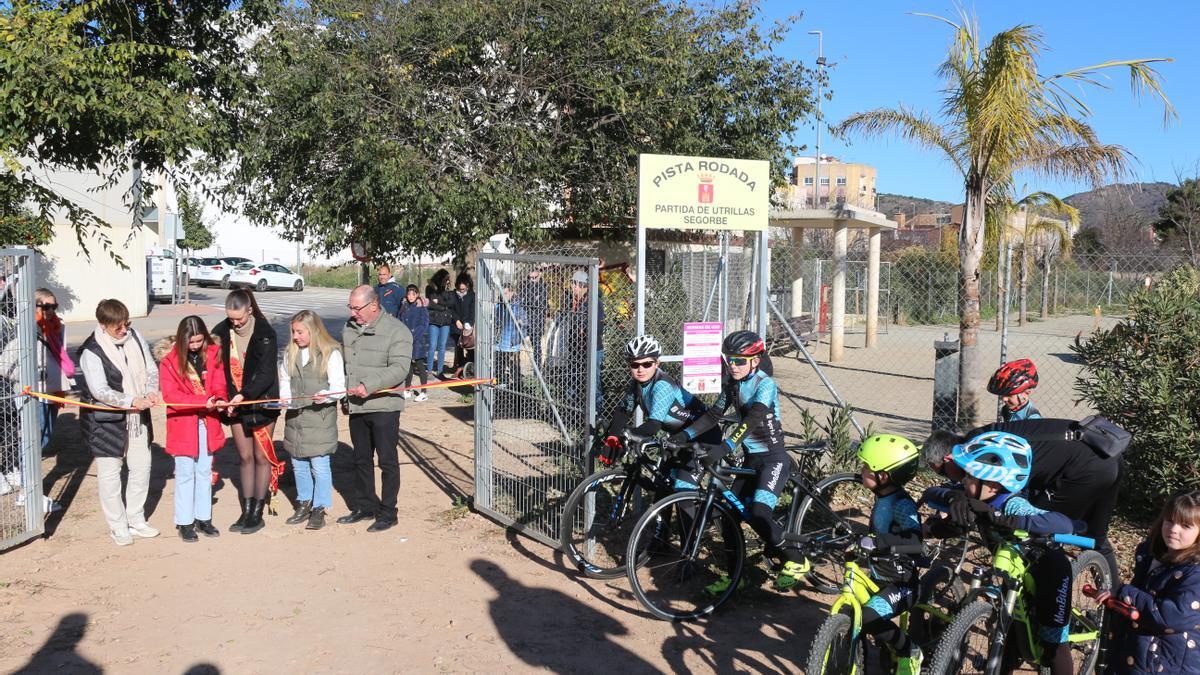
(883, 56)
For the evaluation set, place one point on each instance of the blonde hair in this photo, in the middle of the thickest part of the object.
(320, 343)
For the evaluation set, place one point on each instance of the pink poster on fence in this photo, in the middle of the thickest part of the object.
(702, 357)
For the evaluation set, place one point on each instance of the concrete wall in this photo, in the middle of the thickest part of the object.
(80, 280)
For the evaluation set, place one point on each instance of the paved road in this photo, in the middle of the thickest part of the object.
(329, 303)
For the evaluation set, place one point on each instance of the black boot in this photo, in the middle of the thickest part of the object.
(301, 514)
(187, 533)
(254, 521)
(238, 524)
(205, 527)
(317, 519)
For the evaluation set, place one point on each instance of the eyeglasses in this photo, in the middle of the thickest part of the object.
(738, 360)
(52, 306)
(352, 308)
(642, 365)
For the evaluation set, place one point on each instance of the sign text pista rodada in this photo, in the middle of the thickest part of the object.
(703, 193)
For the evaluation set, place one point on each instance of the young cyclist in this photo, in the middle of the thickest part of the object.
(997, 466)
(755, 397)
(888, 463)
(1165, 590)
(1012, 383)
(666, 406)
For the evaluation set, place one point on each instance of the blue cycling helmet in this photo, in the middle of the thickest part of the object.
(996, 456)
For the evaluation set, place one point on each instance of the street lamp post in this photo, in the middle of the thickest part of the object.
(817, 167)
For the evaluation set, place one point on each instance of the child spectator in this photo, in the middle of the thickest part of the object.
(1165, 590)
(314, 372)
(1013, 383)
(190, 372)
(415, 314)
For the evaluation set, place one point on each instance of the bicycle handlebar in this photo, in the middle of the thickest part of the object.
(1123, 608)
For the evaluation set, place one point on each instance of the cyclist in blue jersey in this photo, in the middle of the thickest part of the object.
(754, 396)
(666, 406)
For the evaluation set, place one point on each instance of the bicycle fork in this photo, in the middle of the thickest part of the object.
(995, 660)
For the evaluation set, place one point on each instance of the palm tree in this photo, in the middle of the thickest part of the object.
(1001, 116)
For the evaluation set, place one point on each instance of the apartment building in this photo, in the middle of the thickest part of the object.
(840, 183)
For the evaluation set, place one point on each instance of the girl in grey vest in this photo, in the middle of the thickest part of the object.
(314, 373)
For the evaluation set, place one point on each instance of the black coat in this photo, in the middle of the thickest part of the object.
(464, 310)
(441, 313)
(261, 373)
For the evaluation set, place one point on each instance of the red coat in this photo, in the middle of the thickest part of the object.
(182, 440)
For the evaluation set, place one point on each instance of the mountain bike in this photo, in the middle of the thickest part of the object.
(601, 511)
(995, 629)
(689, 541)
(840, 647)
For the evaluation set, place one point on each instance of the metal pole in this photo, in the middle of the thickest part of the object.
(30, 421)
(712, 292)
(1004, 313)
(764, 280)
(820, 69)
(723, 309)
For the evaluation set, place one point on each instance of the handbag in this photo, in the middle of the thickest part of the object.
(467, 339)
(1103, 435)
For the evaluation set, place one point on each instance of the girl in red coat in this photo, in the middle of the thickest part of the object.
(191, 372)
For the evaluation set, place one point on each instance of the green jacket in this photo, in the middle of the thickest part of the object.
(377, 355)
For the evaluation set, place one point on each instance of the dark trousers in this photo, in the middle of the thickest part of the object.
(416, 367)
(1091, 498)
(508, 369)
(372, 433)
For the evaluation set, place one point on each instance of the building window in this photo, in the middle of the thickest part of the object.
(808, 180)
(825, 181)
(841, 181)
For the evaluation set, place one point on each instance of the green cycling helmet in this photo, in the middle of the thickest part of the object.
(894, 454)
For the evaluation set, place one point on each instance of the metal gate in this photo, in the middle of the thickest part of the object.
(538, 336)
(20, 449)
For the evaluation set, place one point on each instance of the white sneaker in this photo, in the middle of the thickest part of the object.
(408, 394)
(121, 538)
(421, 396)
(50, 506)
(143, 530)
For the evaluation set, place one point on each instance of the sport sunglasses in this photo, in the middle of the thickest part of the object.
(641, 365)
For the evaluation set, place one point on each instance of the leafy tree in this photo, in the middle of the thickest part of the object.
(195, 233)
(1179, 218)
(1142, 375)
(1002, 116)
(115, 88)
(424, 127)
(1088, 242)
(18, 225)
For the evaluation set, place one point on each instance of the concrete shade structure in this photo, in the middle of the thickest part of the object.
(841, 219)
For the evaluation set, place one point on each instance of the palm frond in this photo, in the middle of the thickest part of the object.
(1143, 80)
(919, 128)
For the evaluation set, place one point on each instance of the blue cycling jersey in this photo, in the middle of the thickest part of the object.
(662, 401)
(755, 398)
(895, 514)
(1027, 412)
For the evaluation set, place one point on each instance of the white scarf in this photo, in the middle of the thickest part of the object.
(126, 354)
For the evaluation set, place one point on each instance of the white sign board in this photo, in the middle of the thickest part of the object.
(703, 193)
(702, 357)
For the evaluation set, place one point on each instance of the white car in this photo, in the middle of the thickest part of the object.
(214, 271)
(260, 277)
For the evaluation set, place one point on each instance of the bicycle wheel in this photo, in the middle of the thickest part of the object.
(964, 646)
(842, 509)
(676, 565)
(940, 594)
(597, 520)
(833, 651)
(1086, 617)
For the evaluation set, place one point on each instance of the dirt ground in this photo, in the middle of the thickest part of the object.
(445, 591)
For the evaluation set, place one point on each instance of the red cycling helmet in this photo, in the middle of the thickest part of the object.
(743, 343)
(1013, 378)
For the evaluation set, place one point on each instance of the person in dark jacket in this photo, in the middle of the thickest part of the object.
(463, 330)
(249, 354)
(441, 318)
(1068, 476)
(415, 315)
(1165, 590)
(390, 293)
(534, 295)
(118, 371)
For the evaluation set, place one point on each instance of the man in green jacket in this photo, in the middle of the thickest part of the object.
(378, 349)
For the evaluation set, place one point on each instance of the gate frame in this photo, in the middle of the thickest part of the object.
(485, 398)
(25, 269)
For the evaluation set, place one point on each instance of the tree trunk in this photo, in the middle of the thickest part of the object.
(1024, 290)
(970, 250)
(1045, 287)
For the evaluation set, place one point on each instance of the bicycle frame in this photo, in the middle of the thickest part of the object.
(857, 589)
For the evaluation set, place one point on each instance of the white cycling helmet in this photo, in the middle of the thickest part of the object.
(642, 346)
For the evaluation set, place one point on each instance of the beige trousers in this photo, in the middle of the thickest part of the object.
(121, 513)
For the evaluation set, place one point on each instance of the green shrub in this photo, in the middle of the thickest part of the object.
(924, 288)
(1144, 374)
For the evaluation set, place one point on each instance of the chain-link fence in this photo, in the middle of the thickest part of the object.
(537, 335)
(891, 385)
(21, 507)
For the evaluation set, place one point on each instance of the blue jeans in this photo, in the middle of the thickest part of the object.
(49, 414)
(310, 471)
(193, 484)
(437, 347)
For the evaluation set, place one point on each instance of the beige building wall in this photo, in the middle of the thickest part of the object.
(841, 183)
(80, 280)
